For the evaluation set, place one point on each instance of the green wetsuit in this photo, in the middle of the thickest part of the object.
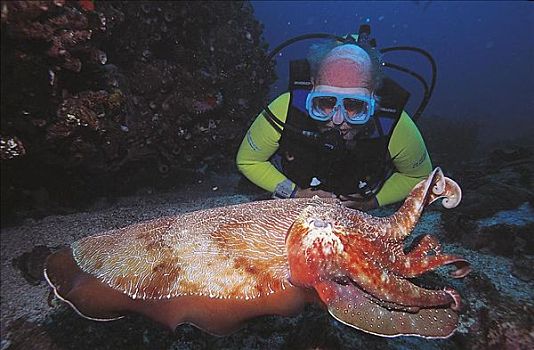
(406, 147)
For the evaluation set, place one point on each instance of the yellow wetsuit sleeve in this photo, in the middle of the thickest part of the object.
(259, 144)
(410, 157)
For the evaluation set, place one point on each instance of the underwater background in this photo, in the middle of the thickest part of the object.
(483, 51)
(116, 112)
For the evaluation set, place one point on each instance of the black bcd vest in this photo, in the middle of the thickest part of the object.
(359, 166)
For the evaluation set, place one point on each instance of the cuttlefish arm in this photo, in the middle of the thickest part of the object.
(330, 253)
(341, 284)
(399, 225)
(381, 283)
(352, 260)
(426, 256)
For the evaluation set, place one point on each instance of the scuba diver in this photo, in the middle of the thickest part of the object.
(341, 130)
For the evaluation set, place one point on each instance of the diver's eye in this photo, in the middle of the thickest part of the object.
(354, 106)
(325, 104)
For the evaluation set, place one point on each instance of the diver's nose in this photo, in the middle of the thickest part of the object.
(337, 118)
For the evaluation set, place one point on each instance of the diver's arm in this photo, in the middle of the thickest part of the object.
(259, 144)
(410, 157)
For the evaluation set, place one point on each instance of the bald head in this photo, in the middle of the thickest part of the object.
(346, 66)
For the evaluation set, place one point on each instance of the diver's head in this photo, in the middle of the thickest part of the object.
(345, 66)
(343, 93)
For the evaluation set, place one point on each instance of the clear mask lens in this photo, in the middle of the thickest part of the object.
(324, 106)
(355, 109)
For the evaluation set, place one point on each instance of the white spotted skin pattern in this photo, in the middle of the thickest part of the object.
(354, 308)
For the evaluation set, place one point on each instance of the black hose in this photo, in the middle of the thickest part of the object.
(426, 95)
(428, 90)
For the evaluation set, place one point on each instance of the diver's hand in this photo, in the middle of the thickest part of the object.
(309, 193)
(355, 201)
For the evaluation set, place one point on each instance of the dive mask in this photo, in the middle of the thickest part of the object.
(355, 104)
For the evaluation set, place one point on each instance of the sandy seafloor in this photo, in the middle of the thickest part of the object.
(29, 322)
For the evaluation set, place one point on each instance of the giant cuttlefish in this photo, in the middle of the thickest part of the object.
(216, 268)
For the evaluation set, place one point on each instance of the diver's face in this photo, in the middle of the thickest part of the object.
(341, 106)
(343, 75)
(348, 67)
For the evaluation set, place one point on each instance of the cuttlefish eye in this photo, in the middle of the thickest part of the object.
(318, 223)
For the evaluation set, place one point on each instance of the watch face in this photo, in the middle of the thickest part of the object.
(315, 182)
(283, 190)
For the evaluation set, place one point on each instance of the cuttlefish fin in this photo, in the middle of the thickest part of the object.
(95, 300)
(351, 306)
(72, 285)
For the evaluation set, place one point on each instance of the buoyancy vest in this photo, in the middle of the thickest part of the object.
(329, 163)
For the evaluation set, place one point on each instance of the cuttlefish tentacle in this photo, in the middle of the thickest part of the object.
(391, 306)
(399, 225)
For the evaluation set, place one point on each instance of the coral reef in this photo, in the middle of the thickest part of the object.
(94, 91)
(31, 264)
(11, 147)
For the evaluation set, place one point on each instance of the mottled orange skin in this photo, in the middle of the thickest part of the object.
(217, 268)
(350, 257)
(368, 261)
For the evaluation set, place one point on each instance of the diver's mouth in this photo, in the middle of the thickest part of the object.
(347, 135)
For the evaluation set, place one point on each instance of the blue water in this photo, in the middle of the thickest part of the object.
(484, 50)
